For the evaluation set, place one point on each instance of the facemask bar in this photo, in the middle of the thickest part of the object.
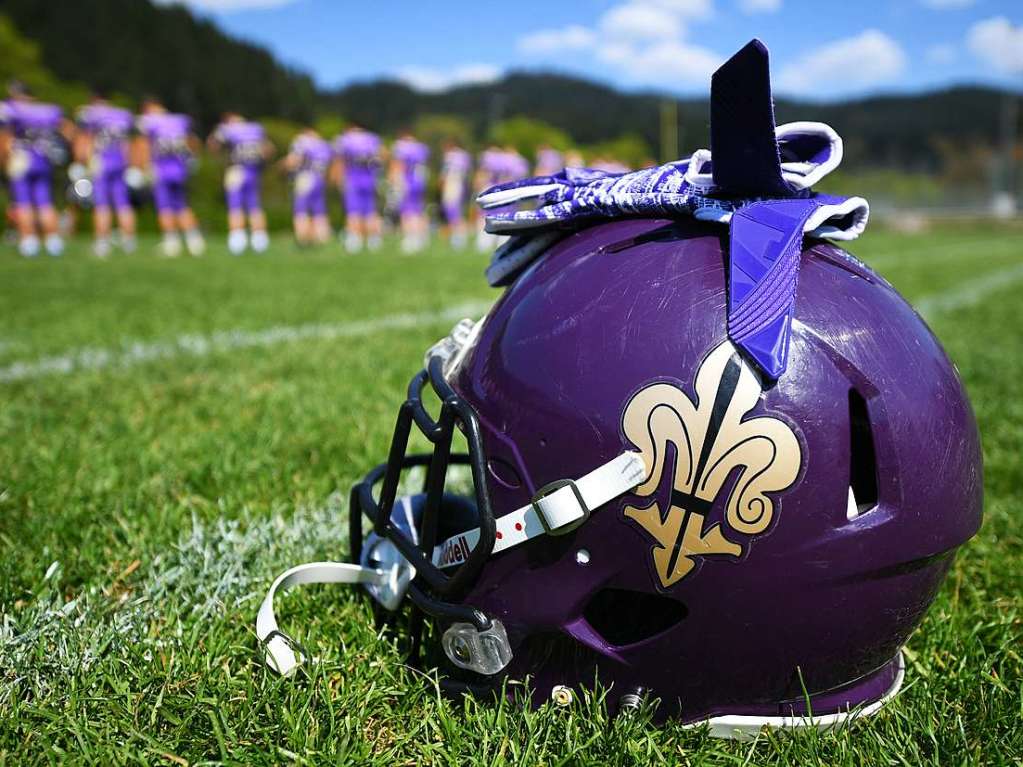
(454, 412)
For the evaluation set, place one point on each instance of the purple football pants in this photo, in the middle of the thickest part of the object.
(109, 190)
(241, 188)
(414, 200)
(360, 193)
(32, 188)
(169, 196)
(310, 196)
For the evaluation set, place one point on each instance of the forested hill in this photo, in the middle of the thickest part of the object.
(134, 48)
(909, 131)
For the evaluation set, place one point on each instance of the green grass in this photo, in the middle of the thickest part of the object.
(144, 509)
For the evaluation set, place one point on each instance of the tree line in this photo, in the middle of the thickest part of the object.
(134, 48)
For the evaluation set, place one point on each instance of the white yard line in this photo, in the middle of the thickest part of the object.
(942, 251)
(969, 292)
(217, 570)
(133, 353)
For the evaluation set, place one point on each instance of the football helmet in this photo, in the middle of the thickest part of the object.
(662, 502)
(650, 512)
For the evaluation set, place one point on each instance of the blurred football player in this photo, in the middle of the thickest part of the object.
(489, 172)
(309, 160)
(498, 166)
(31, 144)
(409, 173)
(454, 187)
(247, 150)
(548, 161)
(609, 165)
(358, 167)
(101, 146)
(168, 146)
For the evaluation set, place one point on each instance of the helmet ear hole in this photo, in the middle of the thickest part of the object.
(862, 458)
(622, 617)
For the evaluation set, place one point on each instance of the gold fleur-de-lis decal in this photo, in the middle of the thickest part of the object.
(710, 440)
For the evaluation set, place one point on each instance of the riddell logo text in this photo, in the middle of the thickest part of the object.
(455, 552)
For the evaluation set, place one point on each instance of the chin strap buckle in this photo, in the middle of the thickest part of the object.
(560, 507)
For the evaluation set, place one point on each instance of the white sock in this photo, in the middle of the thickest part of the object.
(237, 241)
(353, 242)
(29, 246)
(482, 241)
(101, 247)
(194, 242)
(128, 243)
(54, 244)
(171, 245)
(374, 242)
(260, 240)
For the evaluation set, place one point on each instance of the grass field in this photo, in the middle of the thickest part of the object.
(175, 433)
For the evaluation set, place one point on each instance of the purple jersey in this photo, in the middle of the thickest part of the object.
(457, 162)
(110, 128)
(168, 140)
(413, 156)
(358, 148)
(245, 141)
(36, 130)
(515, 166)
(492, 163)
(611, 166)
(548, 162)
(313, 152)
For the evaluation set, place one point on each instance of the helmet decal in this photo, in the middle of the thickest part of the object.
(711, 440)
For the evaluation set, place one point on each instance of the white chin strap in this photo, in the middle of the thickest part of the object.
(280, 651)
(557, 509)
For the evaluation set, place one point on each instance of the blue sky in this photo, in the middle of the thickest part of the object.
(819, 49)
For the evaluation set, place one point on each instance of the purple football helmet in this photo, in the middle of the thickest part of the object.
(781, 541)
(656, 510)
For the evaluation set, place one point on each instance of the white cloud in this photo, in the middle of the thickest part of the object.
(945, 5)
(226, 6)
(687, 9)
(760, 6)
(999, 43)
(869, 58)
(570, 38)
(667, 62)
(941, 53)
(645, 40)
(640, 22)
(431, 80)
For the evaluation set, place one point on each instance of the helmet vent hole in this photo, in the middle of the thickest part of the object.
(862, 459)
(623, 617)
